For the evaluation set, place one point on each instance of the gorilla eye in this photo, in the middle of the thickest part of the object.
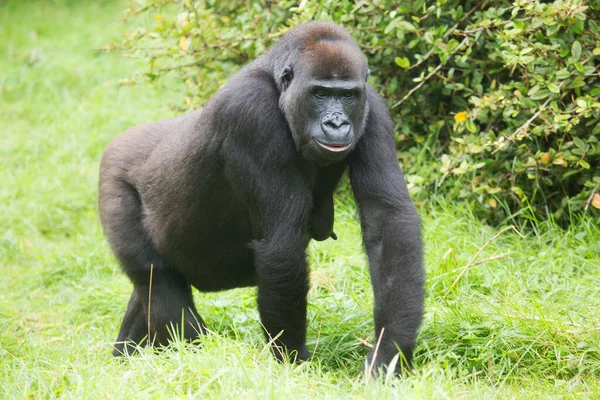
(321, 93)
(349, 95)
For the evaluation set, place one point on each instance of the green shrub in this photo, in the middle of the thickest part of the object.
(496, 103)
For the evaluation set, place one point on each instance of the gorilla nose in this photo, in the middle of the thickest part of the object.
(336, 120)
(336, 129)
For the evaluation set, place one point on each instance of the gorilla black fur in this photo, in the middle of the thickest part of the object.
(230, 196)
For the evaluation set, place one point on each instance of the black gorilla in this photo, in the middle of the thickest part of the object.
(230, 196)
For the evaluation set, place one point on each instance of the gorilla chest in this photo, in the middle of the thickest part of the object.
(211, 229)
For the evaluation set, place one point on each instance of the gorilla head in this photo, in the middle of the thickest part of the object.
(322, 81)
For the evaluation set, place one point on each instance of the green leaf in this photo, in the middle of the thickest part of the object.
(541, 94)
(526, 50)
(576, 50)
(577, 27)
(551, 30)
(451, 45)
(407, 25)
(402, 62)
(471, 126)
(533, 90)
(563, 74)
(595, 91)
(576, 83)
(579, 143)
(413, 43)
(553, 88)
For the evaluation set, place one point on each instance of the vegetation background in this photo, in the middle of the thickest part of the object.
(508, 315)
(495, 102)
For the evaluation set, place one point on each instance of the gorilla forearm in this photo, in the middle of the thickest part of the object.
(392, 237)
(395, 258)
(282, 279)
(321, 219)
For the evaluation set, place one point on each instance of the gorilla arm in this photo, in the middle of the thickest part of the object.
(391, 235)
(263, 167)
(279, 214)
(320, 225)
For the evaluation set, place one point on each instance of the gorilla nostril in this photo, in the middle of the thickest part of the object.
(335, 122)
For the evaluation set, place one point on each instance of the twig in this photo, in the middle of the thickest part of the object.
(240, 40)
(447, 254)
(199, 49)
(430, 52)
(375, 352)
(126, 48)
(167, 69)
(271, 342)
(472, 260)
(364, 342)
(418, 86)
(445, 175)
(318, 338)
(496, 257)
(138, 11)
(589, 200)
(150, 303)
(524, 126)
(430, 74)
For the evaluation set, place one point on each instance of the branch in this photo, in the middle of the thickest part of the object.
(201, 48)
(240, 40)
(167, 69)
(149, 305)
(126, 48)
(375, 351)
(589, 200)
(410, 92)
(430, 52)
(512, 137)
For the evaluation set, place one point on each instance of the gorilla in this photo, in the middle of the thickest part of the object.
(230, 196)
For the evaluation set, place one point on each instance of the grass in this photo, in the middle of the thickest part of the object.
(524, 326)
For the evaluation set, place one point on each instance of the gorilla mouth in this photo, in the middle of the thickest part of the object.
(335, 149)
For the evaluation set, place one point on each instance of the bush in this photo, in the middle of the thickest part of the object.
(496, 103)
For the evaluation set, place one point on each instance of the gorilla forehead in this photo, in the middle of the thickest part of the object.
(333, 59)
(321, 50)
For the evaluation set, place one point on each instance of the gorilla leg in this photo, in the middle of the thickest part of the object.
(171, 308)
(171, 304)
(134, 328)
(166, 298)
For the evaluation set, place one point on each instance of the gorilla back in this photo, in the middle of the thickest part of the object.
(230, 196)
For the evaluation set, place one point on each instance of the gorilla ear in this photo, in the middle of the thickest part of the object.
(286, 77)
(368, 74)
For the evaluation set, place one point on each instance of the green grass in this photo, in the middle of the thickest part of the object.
(524, 326)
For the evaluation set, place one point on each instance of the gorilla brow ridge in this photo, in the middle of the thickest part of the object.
(340, 56)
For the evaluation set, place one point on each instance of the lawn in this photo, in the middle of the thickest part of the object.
(518, 319)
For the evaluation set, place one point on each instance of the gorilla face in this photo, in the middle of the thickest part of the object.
(336, 110)
(326, 106)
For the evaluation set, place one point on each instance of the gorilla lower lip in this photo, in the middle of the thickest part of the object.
(335, 149)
